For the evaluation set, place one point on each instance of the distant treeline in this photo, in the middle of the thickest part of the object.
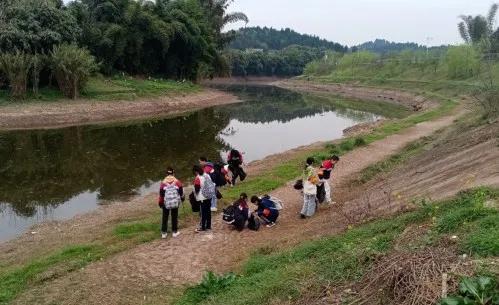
(271, 39)
(382, 46)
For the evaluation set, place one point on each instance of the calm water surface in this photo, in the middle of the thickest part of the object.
(56, 174)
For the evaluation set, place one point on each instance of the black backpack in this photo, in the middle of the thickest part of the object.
(233, 216)
(218, 177)
(195, 205)
(254, 223)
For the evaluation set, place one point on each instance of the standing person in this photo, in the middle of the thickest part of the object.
(209, 168)
(326, 168)
(171, 193)
(204, 191)
(266, 209)
(310, 181)
(235, 161)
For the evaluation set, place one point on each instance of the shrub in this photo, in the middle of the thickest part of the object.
(475, 291)
(16, 67)
(462, 62)
(72, 67)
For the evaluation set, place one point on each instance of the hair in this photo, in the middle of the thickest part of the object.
(170, 171)
(197, 170)
(310, 161)
(335, 158)
(255, 199)
(243, 196)
(203, 159)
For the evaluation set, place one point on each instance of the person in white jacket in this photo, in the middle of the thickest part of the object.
(310, 181)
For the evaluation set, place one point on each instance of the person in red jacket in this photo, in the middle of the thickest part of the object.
(171, 194)
(326, 169)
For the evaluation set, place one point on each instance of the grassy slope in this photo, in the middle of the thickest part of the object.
(274, 278)
(109, 89)
(13, 280)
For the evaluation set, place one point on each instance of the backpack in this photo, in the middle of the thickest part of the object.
(172, 197)
(218, 177)
(196, 207)
(254, 223)
(209, 189)
(235, 157)
(232, 215)
(277, 202)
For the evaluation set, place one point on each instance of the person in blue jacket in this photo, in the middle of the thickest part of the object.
(266, 210)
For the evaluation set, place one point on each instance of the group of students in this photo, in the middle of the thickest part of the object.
(209, 177)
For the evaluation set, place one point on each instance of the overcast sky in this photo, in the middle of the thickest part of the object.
(355, 21)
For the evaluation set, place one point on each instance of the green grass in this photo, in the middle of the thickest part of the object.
(109, 89)
(272, 277)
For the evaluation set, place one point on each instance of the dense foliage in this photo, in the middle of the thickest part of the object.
(179, 39)
(271, 39)
(383, 46)
(289, 61)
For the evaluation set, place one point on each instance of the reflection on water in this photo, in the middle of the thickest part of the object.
(55, 174)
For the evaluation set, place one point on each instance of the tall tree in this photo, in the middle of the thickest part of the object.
(473, 29)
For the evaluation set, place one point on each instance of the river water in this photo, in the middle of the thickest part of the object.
(56, 174)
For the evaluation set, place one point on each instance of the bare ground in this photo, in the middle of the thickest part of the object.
(129, 277)
(81, 112)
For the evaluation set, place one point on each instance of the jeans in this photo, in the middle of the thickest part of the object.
(214, 200)
(309, 205)
(164, 223)
(206, 214)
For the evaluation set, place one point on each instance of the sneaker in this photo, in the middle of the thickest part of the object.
(270, 225)
(214, 209)
(164, 235)
(198, 230)
(175, 234)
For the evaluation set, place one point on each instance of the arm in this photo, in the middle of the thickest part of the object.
(161, 199)
(197, 185)
(180, 190)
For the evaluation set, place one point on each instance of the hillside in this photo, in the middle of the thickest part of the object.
(382, 46)
(272, 39)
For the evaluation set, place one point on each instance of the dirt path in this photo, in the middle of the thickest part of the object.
(59, 114)
(130, 277)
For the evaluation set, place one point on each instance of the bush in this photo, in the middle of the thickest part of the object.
(16, 67)
(72, 67)
(462, 62)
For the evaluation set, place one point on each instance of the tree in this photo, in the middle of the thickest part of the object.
(35, 26)
(72, 67)
(473, 29)
(16, 67)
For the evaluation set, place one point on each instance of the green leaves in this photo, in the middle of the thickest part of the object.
(475, 291)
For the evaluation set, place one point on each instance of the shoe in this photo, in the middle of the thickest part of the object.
(302, 216)
(270, 225)
(198, 230)
(214, 209)
(175, 234)
(164, 235)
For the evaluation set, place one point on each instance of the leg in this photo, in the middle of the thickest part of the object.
(164, 222)
(214, 202)
(205, 213)
(208, 214)
(175, 220)
(327, 187)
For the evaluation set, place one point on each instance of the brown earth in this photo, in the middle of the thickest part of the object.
(81, 112)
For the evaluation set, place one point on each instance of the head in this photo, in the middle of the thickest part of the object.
(202, 161)
(243, 196)
(255, 199)
(170, 171)
(310, 161)
(335, 159)
(197, 170)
